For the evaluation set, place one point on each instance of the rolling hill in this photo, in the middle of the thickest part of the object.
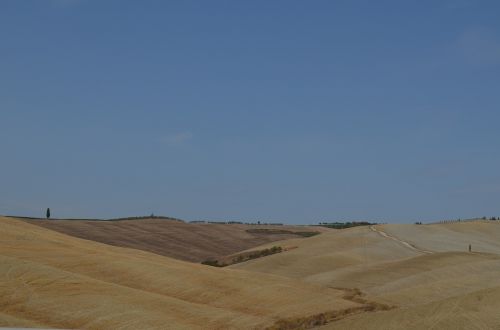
(425, 271)
(48, 279)
(185, 241)
(374, 277)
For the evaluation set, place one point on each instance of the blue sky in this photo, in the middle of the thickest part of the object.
(292, 111)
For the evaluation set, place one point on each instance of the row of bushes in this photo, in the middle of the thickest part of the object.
(281, 232)
(152, 216)
(468, 220)
(245, 257)
(213, 263)
(239, 223)
(343, 225)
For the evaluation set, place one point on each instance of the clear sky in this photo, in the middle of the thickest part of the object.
(292, 111)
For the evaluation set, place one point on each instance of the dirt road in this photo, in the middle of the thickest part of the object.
(408, 245)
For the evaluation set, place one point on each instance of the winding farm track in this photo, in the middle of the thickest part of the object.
(404, 243)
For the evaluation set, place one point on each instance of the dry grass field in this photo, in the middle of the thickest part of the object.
(379, 277)
(185, 241)
(425, 271)
(48, 279)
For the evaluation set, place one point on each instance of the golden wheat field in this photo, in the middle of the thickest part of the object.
(424, 272)
(378, 277)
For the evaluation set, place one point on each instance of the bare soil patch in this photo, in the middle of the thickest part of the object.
(193, 242)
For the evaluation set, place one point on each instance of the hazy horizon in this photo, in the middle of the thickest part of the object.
(262, 221)
(284, 111)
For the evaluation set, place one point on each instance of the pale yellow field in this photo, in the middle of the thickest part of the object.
(380, 277)
(445, 287)
(48, 279)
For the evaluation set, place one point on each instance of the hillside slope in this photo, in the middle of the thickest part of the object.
(425, 271)
(321, 259)
(484, 236)
(185, 241)
(48, 279)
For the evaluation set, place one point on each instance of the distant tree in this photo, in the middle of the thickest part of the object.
(48, 213)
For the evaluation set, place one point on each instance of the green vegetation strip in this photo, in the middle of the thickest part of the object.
(344, 225)
(245, 257)
(282, 232)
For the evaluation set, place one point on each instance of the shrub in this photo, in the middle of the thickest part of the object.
(343, 225)
(245, 257)
(306, 233)
(213, 263)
